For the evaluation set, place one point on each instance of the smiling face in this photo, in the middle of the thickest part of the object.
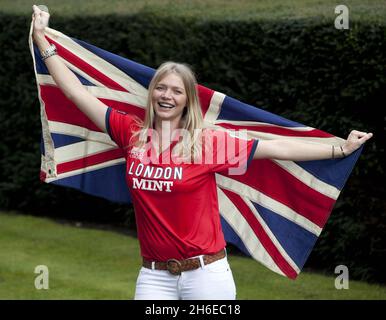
(173, 99)
(169, 98)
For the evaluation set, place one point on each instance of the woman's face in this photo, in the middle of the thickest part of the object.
(169, 98)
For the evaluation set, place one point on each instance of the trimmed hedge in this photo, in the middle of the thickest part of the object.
(304, 70)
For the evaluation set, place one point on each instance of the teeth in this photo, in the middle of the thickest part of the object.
(166, 105)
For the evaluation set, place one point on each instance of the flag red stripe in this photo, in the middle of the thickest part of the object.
(315, 133)
(85, 67)
(61, 109)
(205, 95)
(42, 176)
(275, 182)
(89, 161)
(261, 234)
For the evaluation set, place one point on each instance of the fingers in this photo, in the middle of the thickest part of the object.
(40, 17)
(359, 134)
(365, 137)
(357, 138)
(36, 10)
(39, 11)
(43, 8)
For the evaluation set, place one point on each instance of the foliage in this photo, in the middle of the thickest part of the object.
(304, 70)
(251, 10)
(97, 264)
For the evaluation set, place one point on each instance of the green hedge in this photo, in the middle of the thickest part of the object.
(304, 70)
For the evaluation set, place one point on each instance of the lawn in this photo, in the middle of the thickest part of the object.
(213, 9)
(95, 264)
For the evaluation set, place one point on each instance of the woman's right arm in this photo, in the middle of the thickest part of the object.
(65, 79)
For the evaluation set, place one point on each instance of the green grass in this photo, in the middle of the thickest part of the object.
(95, 264)
(213, 9)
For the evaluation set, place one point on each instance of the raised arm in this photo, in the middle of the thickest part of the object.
(282, 149)
(65, 79)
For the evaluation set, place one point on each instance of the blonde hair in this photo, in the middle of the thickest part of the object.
(192, 116)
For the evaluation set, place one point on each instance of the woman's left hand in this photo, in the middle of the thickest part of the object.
(355, 140)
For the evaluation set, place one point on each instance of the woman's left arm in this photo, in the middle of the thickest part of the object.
(282, 149)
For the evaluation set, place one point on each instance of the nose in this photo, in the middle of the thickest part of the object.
(166, 94)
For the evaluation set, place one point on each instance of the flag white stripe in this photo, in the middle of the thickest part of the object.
(80, 132)
(260, 198)
(270, 136)
(308, 179)
(45, 79)
(214, 107)
(263, 124)
(271, 235)
(98, 63)
(80, 150)
(46, 136)
(125, 97)
(86, 169)
(80, 72)
(102, 92)
(235, 219)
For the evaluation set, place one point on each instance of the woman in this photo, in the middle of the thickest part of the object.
(172, 182)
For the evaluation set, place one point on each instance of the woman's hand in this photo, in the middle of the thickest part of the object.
(355, 140)
(40, 21)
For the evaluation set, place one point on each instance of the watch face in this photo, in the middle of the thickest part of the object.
(50, 51)
(43, 7)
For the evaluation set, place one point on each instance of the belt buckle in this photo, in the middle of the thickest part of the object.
(174, 267)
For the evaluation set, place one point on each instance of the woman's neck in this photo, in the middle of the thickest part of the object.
(166, 130)
(166, 126)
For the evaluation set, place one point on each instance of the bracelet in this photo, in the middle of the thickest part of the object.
(333, 152)
(344, 155)
(49, 52)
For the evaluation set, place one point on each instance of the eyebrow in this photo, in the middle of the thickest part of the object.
(175, 87)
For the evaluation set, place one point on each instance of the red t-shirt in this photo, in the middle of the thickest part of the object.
(176, 205)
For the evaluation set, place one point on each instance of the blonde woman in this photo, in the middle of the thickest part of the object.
(171, 164)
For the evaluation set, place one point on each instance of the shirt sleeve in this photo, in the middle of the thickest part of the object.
(228, 152)
(120, 126)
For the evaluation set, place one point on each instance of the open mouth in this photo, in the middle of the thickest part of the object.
(165, 105)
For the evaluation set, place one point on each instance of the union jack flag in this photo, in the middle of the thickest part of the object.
(275, 212)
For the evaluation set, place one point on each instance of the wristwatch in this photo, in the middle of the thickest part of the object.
(49, 52)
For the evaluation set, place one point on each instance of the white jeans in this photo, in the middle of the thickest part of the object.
(209, 282)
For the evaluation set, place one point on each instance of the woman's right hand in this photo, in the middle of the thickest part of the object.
(64, 78)
(40, 21)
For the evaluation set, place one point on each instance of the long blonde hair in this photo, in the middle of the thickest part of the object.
(192, 116)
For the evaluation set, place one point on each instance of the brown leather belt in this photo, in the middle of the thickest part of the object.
(175, 267)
